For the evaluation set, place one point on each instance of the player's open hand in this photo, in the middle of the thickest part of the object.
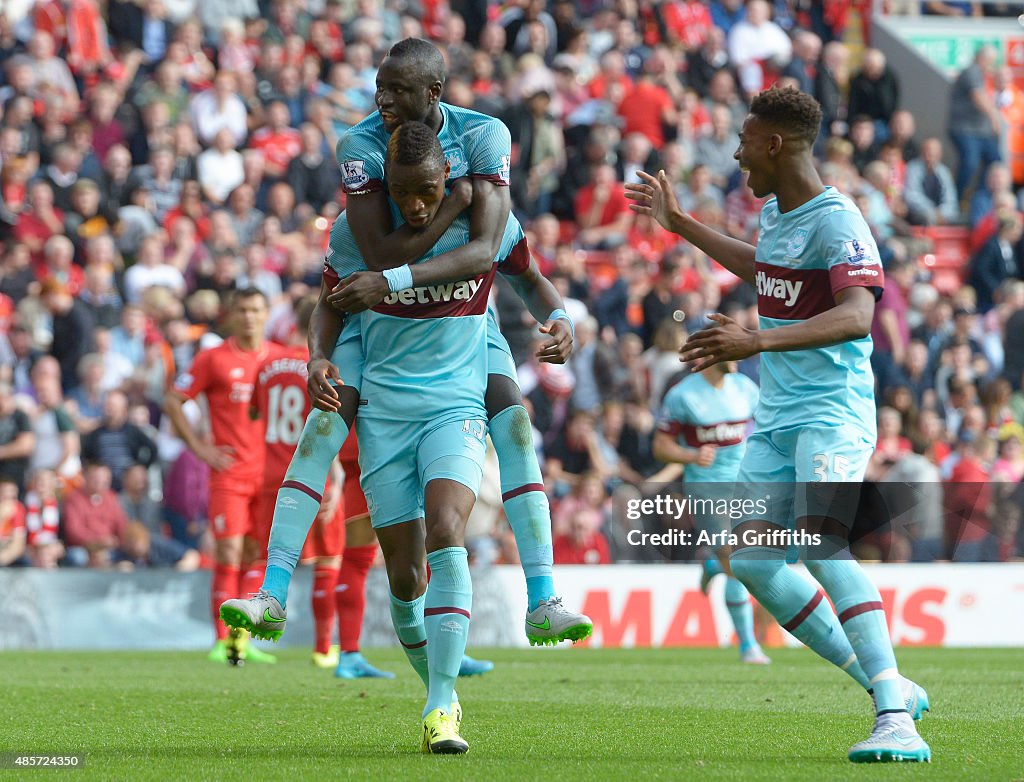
(728, 341)
(654, 196)
(322, 385)
(217, 457)
(558, 348)
(359, 292)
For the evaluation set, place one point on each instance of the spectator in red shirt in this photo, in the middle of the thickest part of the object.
(40, 221)
(12, 523)
(612, 81)
(648, 108)
(94, 522)
(278, 142)
(583, 544)
(967, 501)
(687, 23)
(602, 211)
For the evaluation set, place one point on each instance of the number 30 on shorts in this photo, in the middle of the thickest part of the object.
(830, 467)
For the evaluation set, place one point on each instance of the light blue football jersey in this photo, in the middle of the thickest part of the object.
(804, 257)
(696, 413)
(474, 144)
(425, 348)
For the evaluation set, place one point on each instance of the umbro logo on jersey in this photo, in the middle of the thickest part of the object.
(237, 372)
(432, 294)
(777, 288)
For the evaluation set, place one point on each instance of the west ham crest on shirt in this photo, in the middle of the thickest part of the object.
(458, 164)
(797, 242)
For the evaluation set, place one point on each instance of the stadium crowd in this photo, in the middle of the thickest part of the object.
(156, 155)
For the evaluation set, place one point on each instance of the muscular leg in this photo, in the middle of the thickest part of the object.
(300, 496)
(798, 606)
(522, 486)
(449, 595)
(403, 547)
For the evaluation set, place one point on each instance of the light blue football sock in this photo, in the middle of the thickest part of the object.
(799, 608)
(526, 504)
(446, 611)
(862, 617)
(712, 568)
(737, 600)
(407, 618)
(299, 498)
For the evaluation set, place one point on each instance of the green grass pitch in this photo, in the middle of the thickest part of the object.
(634, 715)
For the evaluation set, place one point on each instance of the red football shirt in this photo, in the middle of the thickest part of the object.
(281, 401)
(642, 110)
(226, 374)
(278, 147)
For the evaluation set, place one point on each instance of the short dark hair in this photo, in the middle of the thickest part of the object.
(789, 109)
(246, 293)
(413, 144)
(426, 56)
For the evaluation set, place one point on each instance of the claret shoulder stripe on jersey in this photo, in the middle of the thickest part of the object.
(846, 275)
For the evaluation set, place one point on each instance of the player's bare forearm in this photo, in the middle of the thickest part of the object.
(735, 255)
(324, 327)
(537, 292)
(850, 319)
(385, 248)
(488, 215)
(462, 263)
(666, 449)
(543, 301)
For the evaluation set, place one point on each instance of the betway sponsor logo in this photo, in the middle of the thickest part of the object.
(432, 294)
(720, 433)
(776, 288)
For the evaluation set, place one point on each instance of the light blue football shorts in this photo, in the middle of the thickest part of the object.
(399, 458)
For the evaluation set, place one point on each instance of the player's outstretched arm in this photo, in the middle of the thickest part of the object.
(384, 248)
(655, 197)
(546, 305)
(728, 341)
(324, 328)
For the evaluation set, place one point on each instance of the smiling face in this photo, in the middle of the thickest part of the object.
(756, 155)
(417, 190)
(404, 93)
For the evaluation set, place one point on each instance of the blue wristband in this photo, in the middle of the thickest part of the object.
(560, 313)
(398, 279)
